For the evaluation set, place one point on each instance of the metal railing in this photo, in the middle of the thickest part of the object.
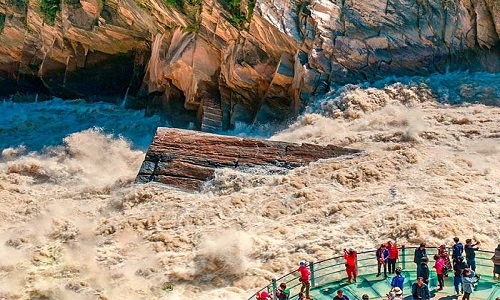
(333, 269)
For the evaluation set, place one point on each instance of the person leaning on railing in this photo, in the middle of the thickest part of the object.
(305, 278)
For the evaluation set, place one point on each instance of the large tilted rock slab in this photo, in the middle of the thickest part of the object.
(186, 159)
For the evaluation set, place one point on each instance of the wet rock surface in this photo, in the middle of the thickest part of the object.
(187, 159)
(206, 63)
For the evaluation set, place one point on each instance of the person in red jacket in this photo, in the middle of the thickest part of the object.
(305, 278)
(393, 256)
(350, 264)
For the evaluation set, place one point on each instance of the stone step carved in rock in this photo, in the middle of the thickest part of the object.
(211, 119)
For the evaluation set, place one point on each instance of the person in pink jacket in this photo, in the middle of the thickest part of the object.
(438, 265)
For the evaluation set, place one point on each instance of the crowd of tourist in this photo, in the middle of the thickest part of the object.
(462, 264)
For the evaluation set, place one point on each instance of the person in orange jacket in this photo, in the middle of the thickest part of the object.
(350, 264)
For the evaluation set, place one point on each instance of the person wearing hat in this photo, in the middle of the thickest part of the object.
(305, 278)
(398, 292)
(420, 290)
(395, 294)
(350, 264)
(496, 263)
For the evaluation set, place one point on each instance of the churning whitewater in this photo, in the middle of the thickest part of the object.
(74, 226)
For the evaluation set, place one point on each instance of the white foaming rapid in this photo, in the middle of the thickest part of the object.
(74, 227)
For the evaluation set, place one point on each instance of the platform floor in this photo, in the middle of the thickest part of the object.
(488, 288)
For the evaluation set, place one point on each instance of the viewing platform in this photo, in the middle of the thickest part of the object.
(328, 276)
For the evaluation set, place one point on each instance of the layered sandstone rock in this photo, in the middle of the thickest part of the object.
(210, 64)
(187, 159)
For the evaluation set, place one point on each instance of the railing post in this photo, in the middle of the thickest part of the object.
(403, 260)
(275, 287)
(313, 280)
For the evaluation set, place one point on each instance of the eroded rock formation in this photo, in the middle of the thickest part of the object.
(212, 63)
(187, 159)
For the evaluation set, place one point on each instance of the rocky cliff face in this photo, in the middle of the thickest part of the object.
(216, 62)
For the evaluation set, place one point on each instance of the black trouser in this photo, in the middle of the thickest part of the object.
(385, 268)
(392, 265)
(441, 280)
(466, 296)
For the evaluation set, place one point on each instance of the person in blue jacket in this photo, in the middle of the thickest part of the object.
(398, 280)
(469, 279)
(382, 259)
(458, 249)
